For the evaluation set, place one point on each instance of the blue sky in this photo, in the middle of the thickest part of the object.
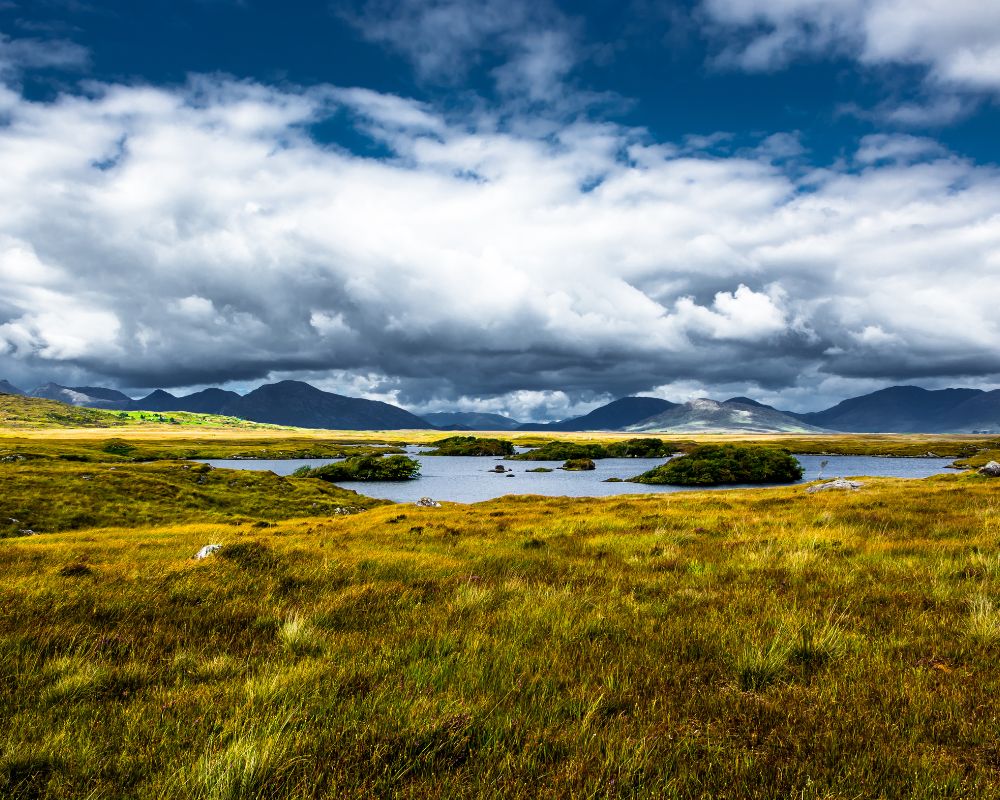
(518, 207)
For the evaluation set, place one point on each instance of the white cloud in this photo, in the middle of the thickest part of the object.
(958, 41)
(200, 235)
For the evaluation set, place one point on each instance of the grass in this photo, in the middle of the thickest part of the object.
(31, 413)
(49, 496)
(115, 449)
(740, 644)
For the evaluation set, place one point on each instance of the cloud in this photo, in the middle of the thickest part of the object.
(956, 43)
(20, 55)
(529, 48)
(196, 235)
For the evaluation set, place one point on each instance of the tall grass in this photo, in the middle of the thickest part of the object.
(752, 644)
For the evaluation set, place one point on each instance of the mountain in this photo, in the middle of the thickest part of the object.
(157, 400)
(911, 409)
(471, 421)
(615, 416)
(9, 388)
(89, 396)
(730, 416)
(101, 393)
(305, 406)
(207, 401)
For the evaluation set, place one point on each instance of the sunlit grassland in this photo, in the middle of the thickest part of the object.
(20, 414)
(883, 444)
(740, 644)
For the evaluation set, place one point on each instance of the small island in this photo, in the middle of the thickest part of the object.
(470, 446)
(645, 447)
(578, 465)
(717, 465)
(365, 468)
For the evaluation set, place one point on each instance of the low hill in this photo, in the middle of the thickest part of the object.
(471, 421)
(615, 416)
(20, 411)
(705, 415)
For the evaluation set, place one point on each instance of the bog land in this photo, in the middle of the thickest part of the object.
(739, 644)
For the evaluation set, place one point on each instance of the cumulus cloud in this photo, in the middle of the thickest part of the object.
(955, 42)
(181, 237)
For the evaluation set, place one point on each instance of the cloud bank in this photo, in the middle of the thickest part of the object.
(526, 263)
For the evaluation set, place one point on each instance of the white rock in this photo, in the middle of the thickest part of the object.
(207, 550)
(426, 502)
(840, 483)
(992, 469)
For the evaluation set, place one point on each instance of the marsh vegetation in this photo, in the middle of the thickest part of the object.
(739, 644)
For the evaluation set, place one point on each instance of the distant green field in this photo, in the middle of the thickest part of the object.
(18, 412)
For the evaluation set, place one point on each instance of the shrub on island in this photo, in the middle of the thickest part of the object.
(578, 464)
(629, 448)
(367, 468)
(719, 464)
(470, 446)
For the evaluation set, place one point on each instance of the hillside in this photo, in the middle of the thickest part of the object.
(705, 415)
(911, 409)
(615, 416)
(297, 403)
(19, 411)
(471, 421)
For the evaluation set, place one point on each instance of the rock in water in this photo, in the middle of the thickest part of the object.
(840, 483)
(992, 469)
(426, 502)
(207, 550)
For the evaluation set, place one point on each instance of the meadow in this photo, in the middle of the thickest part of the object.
(767, 643)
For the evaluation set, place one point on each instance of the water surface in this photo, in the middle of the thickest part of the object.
(467, 479)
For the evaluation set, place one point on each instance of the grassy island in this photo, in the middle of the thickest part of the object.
(716, 465)
(470, 446)
(366, 468)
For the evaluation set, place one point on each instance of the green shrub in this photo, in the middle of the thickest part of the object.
(471, 446)
(715, 464)
(562, 451)
(579, 464)
(369, 468)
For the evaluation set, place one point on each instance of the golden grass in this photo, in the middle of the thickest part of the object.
(740, 644)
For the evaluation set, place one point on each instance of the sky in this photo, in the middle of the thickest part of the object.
(525, 207)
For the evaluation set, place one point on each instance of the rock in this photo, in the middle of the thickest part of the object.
(840, 483)
(498, 469)
(511, 474)
(207, 550)
(27, 532)
(992, 469)
(426, 502)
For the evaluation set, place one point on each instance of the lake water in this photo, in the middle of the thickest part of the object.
(464, 479)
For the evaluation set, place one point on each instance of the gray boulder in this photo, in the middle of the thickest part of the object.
(207, 550)
(992, 469)
(426, 502)
(840, 483)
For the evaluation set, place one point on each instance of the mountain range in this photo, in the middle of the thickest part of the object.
(897, 409)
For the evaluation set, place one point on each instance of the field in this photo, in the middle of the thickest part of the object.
(747, 644)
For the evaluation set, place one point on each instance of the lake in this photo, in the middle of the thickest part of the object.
(465, 479)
